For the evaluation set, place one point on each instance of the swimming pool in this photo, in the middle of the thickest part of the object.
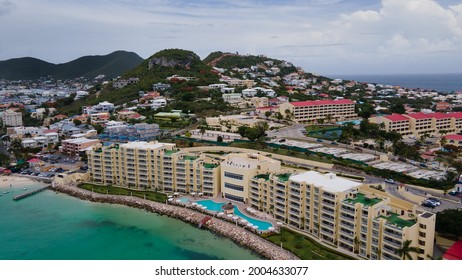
(216, 206)
(184, 199)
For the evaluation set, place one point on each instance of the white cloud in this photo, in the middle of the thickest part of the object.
(325, 36)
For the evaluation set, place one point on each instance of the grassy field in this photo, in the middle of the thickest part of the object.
(303, 247)
(150, 195)
(319, 127)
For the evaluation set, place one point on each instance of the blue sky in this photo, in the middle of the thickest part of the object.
(323, 36)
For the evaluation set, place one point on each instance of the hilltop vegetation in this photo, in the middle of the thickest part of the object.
(111, 65)
(156, 69)
(26, 68)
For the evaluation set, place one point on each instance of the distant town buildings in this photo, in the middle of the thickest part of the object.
(75, 146)
(11, 118)
(101, 107)
(309, 111)
(121, 83)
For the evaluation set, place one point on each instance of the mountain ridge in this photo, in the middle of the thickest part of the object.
(30, 68)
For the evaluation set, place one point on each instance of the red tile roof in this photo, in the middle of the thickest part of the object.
(457, 115)
(440, 116)
(454, 137)
(455, 252)
(321, 102)
(34, 160)
(396, 117)
(419, 116)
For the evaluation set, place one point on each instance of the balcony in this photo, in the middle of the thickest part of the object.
(346, 240)
(347, 225)
(348, 210)
(393, 234)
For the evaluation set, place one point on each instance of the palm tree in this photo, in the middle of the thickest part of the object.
(202, 132)
(406, 249)
(443, 141)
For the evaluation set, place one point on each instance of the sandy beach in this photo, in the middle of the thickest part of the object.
(16, 182)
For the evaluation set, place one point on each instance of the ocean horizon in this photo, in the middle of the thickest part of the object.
(439, 82)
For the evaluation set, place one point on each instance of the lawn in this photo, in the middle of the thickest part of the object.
(150, 195)
(303, 247)
(319, 127)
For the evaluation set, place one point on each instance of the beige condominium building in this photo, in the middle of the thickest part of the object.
(11, 118)
(154, 165)
(308, 111)
(419, 124)
(238, 169)
(343, 213)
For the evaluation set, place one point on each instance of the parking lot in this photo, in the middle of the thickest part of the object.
(52, 165)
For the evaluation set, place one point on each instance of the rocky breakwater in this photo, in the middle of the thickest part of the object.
(239, 235)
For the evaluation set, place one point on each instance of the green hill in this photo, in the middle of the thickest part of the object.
(26, 68)
(111, 65)
(156, 69)
(230, 60)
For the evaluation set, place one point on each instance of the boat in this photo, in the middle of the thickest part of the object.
(24, 188)
(6, 192)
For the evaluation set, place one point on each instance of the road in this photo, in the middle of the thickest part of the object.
(295, 132)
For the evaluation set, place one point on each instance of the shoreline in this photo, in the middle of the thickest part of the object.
(238, 235)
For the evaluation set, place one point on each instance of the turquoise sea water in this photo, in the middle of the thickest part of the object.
(54, 226)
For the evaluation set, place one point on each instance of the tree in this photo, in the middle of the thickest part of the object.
(267, 114)
(406, 249)
(443, 141)
(365, 110)
(220, 138)
(187, 134)
(279, 116)
(77, 122)
(202, 131)
(449, 223)
(397, 107)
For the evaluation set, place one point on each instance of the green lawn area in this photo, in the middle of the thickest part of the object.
(303, 247)
(319, 127)
(394, 218)
(150, 195)
(363, 199)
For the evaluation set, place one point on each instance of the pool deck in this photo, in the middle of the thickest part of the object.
(264, 217)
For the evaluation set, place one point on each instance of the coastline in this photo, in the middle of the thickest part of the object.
(238, 235)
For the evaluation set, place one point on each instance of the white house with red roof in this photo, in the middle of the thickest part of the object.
(308, 111)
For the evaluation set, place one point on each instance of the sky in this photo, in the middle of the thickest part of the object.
(321, 36)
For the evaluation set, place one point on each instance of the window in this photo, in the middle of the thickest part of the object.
(422, 234)
(234, 175)
(422, 243)
(423, 226)
(234, 197)
(234, 187)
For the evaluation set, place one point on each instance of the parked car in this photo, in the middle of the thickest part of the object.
(428, 203)
(358, 148)
(435, 201)
(318, 140)
(333, 143)
(453, 193)
(390, 181)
